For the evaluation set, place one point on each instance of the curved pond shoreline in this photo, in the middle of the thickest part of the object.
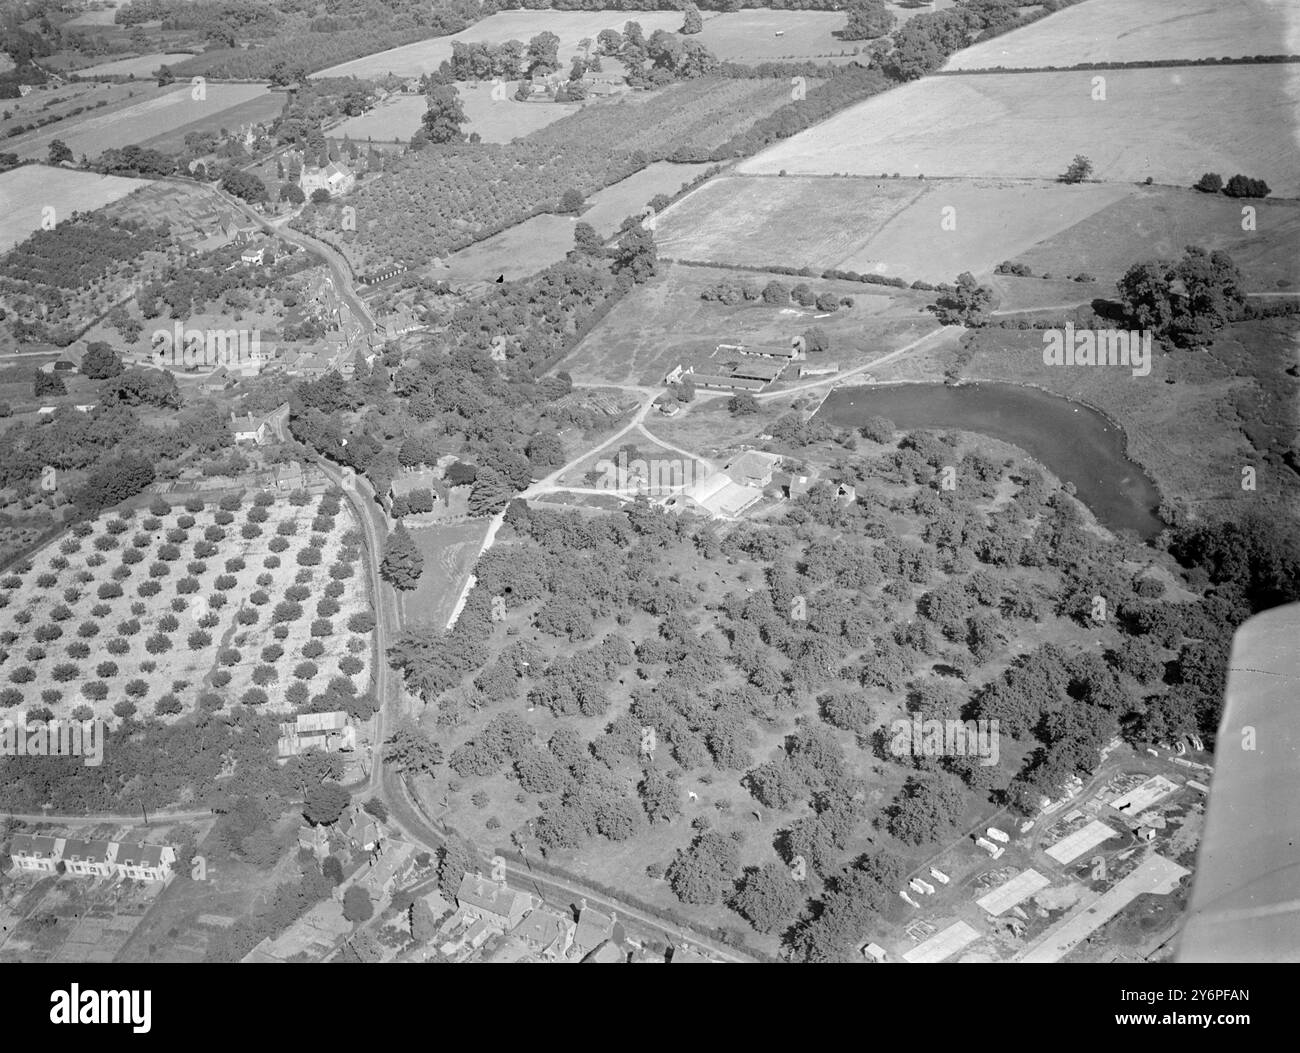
(1077, 442)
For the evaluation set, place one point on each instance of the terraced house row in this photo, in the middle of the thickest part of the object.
(92, 858)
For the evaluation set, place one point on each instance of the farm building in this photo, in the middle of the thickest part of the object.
(787, 354)
(753, 468)
(323, 731)
(718, 495)
(765, 372)
(821, 369)
(709, 380)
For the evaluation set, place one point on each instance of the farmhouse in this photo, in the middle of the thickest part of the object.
(334, 178)
(329, 732)
(36, 852)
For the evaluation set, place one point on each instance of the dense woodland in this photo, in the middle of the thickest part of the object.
(925, 620)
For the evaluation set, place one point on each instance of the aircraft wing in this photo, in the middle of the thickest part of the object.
(1245, 903)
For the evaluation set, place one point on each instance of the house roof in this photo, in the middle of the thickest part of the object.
(85, 851)
(752, 464)
(543, 927)
(493, 897)
(140, 855)
(607, 953)
(32, 845)
(593, 929)
(243, 425)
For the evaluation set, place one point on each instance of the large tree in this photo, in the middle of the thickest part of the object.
(443, 119)
(868, 19)
(402, 564)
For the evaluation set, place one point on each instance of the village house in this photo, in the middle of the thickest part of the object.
(288, 477)
(389, 868)
(253, 256)
(360, 828)
(547, 933)
(593, 929)
(492, 902)
(261, 428)
(145, 862)
(96, 858)
(36, 852)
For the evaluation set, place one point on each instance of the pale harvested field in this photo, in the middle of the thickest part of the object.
(495, 120)
(137, 122)
(994, 221)
(26, 191)
(140, 65)
(1170, 124)
(538, 242)
(1137, 30)
(412, 60)
(792, 221)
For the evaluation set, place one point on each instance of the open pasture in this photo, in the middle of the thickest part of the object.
(1158, 222)
(140, 121)
(412, 60)
(25, 192)
(751, 35)
(1169, 124)
(1141, 30)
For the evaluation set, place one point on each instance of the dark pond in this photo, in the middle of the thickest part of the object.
(1076, 443)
